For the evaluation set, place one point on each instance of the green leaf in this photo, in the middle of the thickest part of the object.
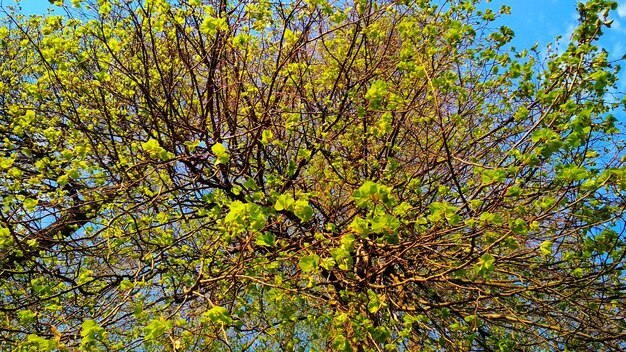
(374, 302)
(91, 332)
(266, 136)
(63, 180)
(30, 204)
(192, 145)
(573, 173)
(309, 263)
(370, 194)
(376, 93)
(284, 202)
(443, 210)
(126, 285)
(219, 150)
(6, 163)
(218, 315)
(342, 257)
(151, 145)
(154, 149)
(485, 265)
(304, 154)
(73, 174)
(245, 215)
(303, 210)
(211, 25)
(156, 329)
(266, 239)
(26, 316)
(546, 247)
(519, 226)
(380, 333)
(493, 176)
(327, 263)
(495, 219)
(514, 191)
(221, 153)
(360, 226)
(341, 344)
(40, 343)
(347, 242)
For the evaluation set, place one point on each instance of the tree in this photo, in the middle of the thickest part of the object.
(307, 175)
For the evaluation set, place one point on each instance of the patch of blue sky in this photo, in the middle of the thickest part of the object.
(29, 7)
(534, 21)
(541, 22)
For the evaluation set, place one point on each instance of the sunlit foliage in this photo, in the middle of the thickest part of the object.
(307, 175)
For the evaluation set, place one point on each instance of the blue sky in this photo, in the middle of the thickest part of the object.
(539, 20)
(533, 21)
(542, 20)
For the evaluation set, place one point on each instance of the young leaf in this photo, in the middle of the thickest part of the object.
(218, 315)
(309, 263)
(221, 153)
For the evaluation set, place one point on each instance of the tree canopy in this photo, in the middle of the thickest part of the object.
(307, 175)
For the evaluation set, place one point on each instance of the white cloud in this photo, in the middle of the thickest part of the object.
(621, 10)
